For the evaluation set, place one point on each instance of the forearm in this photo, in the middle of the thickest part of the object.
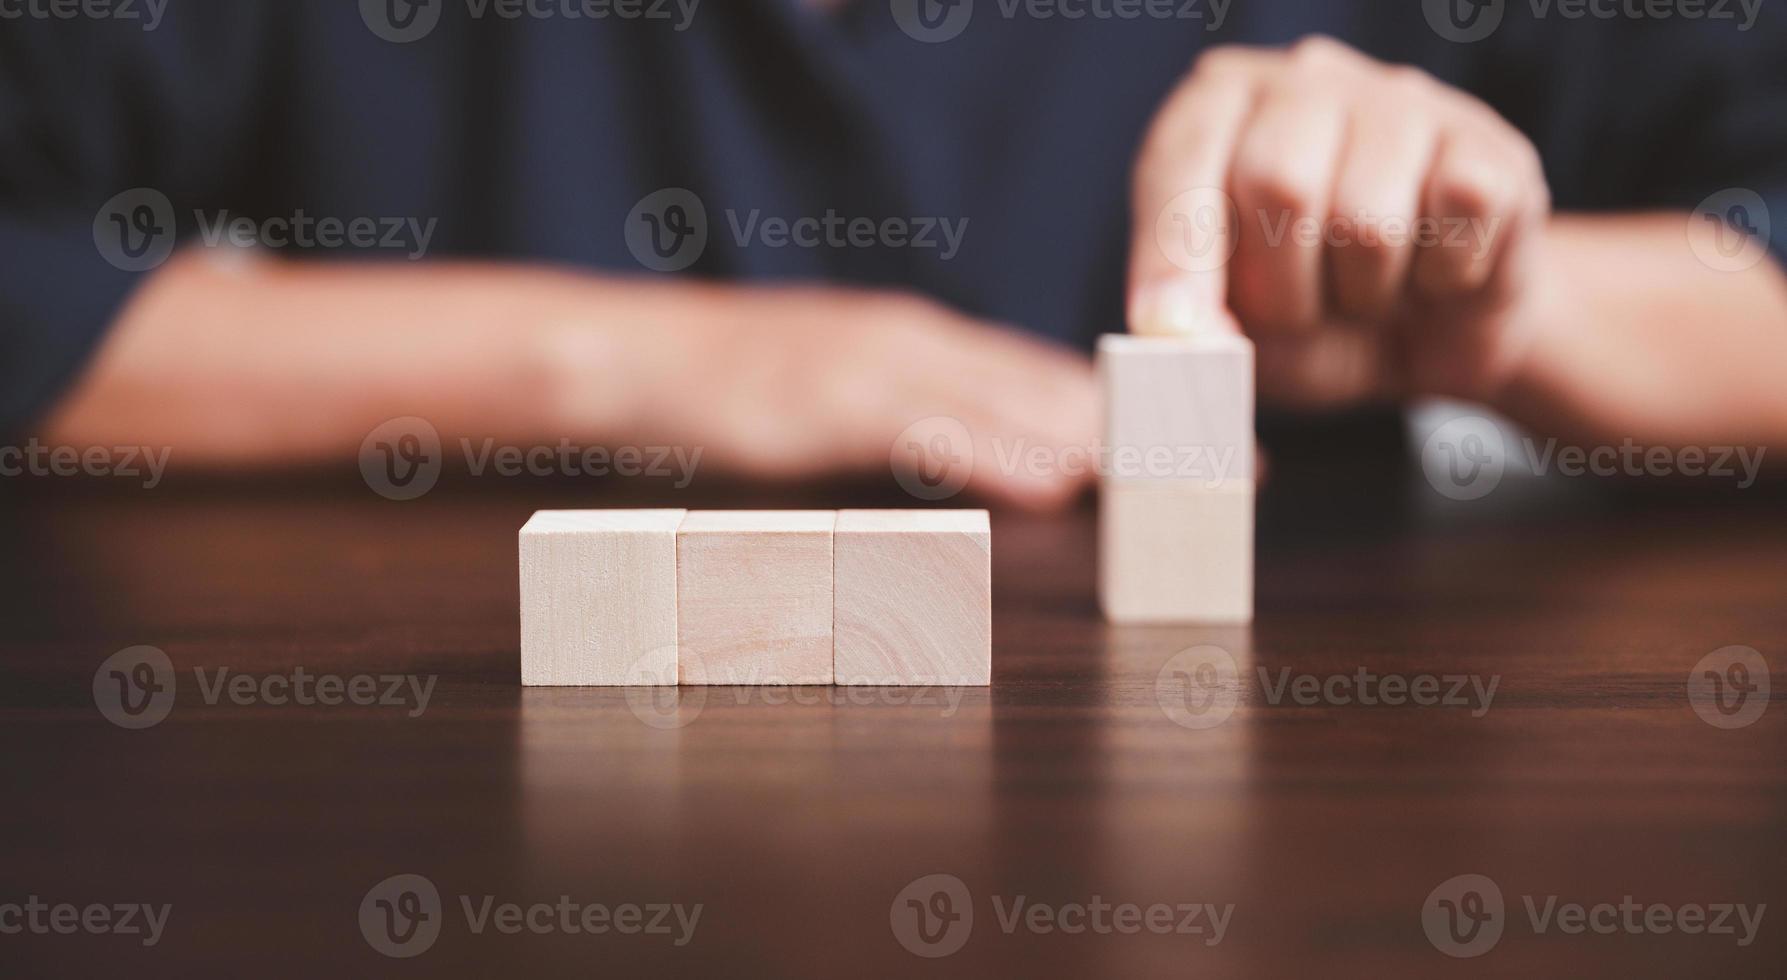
(279, 362)
(1642, 340)
(268, 361)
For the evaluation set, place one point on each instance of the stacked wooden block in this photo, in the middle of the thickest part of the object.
(1175, 529)
(653, 597)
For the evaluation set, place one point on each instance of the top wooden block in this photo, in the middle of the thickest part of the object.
(1178, 408)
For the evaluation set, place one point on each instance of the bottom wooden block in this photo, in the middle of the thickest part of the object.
(1172, 551)
(914, 594)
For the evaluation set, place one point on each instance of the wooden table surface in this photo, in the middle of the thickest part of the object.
(1103, 768)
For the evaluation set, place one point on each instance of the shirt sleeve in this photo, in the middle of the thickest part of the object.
(1731, 160)
(57, 292)
(104, 125)
(1660, 113)
(57, 295)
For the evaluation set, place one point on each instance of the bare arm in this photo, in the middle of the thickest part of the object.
(1641, 339)
(246, 363)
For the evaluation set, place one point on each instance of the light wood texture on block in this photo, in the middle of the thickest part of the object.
(598, 597)
(914, 597)
(1174, 552)
(754, 597)
(1178, 408)
(1175, 530)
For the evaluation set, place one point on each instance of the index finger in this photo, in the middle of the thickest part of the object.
(1184, 222)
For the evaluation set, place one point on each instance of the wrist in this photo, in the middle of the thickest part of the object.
(1552, 313)
(605, 356)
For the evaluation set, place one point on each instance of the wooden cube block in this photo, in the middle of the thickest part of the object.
(598, 597)
(1176, 499)
(914, 597)
(754, 597)
(1169, 553)
(1178, 408)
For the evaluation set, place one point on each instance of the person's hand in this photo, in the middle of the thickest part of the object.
(795, 383)
(1376, 234)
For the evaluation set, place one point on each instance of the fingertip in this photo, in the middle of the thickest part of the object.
(1177, 308)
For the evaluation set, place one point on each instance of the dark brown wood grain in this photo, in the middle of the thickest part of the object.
(794, 825)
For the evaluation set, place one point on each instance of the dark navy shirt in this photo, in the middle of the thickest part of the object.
(535, 137)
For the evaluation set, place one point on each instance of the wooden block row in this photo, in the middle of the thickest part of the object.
(1176, 500)
(651, 597)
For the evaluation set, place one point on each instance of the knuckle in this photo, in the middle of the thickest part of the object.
(897, 321)
(1319, 51)
(1408, 83)
(1540, 203)
(1469, 190)
(1277, 185)
(1222, 61)
(1271, 303)
(1529, 161)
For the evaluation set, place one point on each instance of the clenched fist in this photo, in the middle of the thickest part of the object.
(1375, 231)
